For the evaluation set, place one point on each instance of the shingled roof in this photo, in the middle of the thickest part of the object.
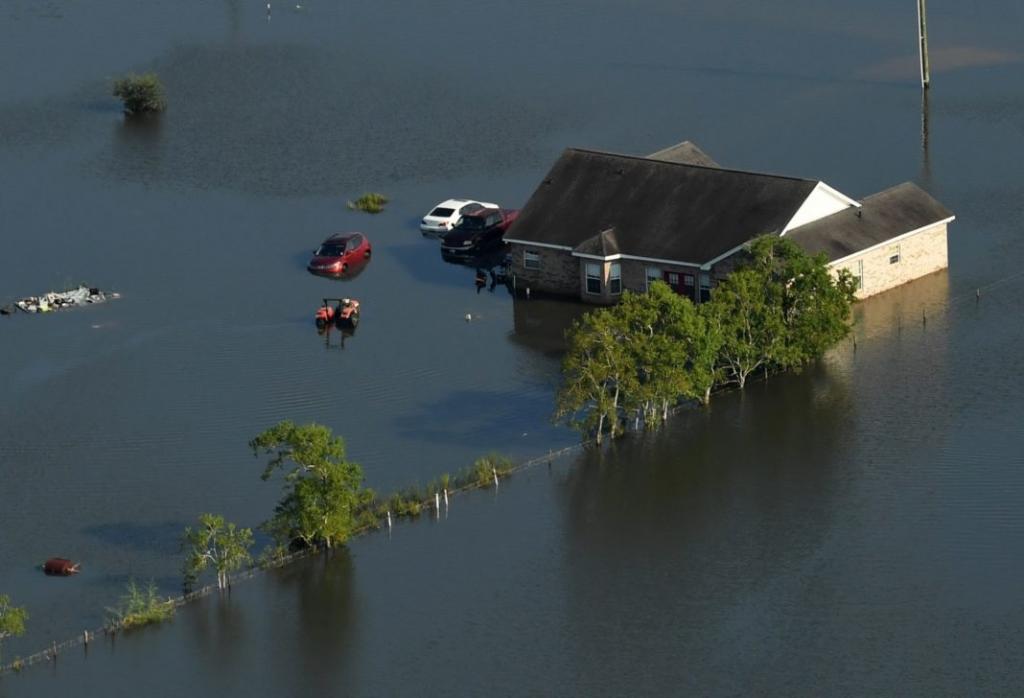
(882, 216)
(658, 209)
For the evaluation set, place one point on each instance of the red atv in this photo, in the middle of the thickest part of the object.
(344, 314)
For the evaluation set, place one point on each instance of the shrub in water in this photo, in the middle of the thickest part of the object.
(370, 203)
(140, 93)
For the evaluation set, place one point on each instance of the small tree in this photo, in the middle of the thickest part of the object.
(218, 544)
(140, 93)
(597, 373)
(322, 487)
(753, 333)
(12, 620)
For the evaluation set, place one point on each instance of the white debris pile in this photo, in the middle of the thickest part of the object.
(59, 300)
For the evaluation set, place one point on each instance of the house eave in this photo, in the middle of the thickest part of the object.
(890, 241)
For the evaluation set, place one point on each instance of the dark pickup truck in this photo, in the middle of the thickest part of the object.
(477, 231)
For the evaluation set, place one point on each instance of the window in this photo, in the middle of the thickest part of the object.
(705, 287)
(442, 212)
(531, 260)
(493, 220)
(673, 279)
(688, 280)
(653, 274)
(894, 255)
(593, 278)
(615, 278)
(860, 274)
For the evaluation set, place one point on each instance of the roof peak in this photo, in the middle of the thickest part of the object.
(670, 163)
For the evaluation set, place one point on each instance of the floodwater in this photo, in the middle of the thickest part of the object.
(854, 529)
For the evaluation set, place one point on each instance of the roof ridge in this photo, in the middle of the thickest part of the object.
(686, 164)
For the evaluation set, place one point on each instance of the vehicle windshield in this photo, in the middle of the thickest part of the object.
(331, 250)
(473, 223)
(442, 212)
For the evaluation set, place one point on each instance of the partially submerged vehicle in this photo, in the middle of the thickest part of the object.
(446, 215)
(59, 300)
(477, 232)
(60, 567)
(343, 313)
(338, 253)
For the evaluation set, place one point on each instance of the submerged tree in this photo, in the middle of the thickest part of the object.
(814, 304)
(322, 488)
(218, 544)
(140, 93)
(12, 620)
(597, 373)
(781, 309)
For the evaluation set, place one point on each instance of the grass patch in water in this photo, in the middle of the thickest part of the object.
(369, 203)
(139, 607)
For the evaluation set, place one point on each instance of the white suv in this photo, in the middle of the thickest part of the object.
(446, 215)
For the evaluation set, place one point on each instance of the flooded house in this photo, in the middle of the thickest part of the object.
(600, 223)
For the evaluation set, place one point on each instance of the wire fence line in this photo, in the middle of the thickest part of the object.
(110, 630)
(52, 652)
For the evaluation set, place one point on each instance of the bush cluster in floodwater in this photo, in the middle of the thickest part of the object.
(140, 94)
(139, 607)
(369, 203)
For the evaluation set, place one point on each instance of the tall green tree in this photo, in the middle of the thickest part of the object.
(656, 340)
(814, 303)
(218, 544)
(321, 486)
(748, 313)
(12, 620)
(597, 373)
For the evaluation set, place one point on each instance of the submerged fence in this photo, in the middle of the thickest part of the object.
(430, 504)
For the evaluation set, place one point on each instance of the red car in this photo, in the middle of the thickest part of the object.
(340, 252)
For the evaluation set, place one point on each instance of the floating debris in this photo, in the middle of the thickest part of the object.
(59, 300)
(60, 567)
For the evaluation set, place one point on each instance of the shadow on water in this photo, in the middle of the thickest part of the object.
(328, 625)
(137, 141)
(540, 324)
(476, 418)
(715, 507)
(163, 537)
(419, 261)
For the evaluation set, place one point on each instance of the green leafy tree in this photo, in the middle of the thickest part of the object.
(598, 372)
(140, 93)
(12, 619)
(814, 303)
(657, 323)
(322, 488)
(218, 544)
(750, 318)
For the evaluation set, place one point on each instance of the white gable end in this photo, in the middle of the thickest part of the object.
(822, 201)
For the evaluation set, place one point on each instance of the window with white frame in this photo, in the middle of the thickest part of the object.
(593, 278)
(531, 260)
(653, 274)
(894, 255)
(615, 278)
(860, 274)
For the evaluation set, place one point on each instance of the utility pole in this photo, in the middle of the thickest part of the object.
(922, 43)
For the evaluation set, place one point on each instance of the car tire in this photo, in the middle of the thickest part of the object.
(366, 255)
(344, 267)
(321, 323)
(353, 320)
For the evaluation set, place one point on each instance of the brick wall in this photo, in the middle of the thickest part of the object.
(559, 271)
(920, 254)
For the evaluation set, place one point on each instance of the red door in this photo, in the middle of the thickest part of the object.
(680, 282)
